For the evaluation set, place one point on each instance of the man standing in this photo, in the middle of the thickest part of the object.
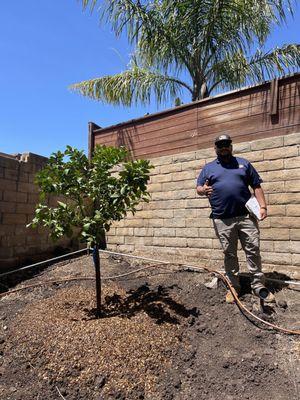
(225, 181)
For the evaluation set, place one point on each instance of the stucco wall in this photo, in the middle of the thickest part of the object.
(175, 224)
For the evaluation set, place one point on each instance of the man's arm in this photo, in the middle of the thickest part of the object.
(260, 196)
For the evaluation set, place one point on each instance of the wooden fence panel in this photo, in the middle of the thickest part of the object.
(247, 114)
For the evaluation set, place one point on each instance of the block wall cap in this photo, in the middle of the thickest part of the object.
(15, 156)
(32, 157)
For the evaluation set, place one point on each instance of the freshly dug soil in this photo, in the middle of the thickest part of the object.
(162, 335)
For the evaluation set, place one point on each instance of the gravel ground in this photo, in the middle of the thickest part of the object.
(162, 335)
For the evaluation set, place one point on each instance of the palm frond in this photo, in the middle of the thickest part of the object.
(211, 40)
(128, 15)
(135, 85)
(238, 70)
(88, 3)
(280, 60)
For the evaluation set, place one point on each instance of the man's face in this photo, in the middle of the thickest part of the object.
(223, 148)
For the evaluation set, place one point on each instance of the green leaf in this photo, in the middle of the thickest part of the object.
(91, 207)
(63, 205)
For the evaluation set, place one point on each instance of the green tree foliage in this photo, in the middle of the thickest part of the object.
(96, 195)
(96, 192)
(215, 44)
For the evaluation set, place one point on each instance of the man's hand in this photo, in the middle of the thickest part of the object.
(259, 194)
(263, 213)
(205, 190)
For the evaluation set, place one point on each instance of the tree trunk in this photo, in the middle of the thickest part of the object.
(96, 259)
(200, 91)
(101, 239)
(196, 92)
(204, 91)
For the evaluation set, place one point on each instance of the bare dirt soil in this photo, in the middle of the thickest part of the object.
(163, 335)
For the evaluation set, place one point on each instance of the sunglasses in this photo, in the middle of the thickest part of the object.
(221, 145)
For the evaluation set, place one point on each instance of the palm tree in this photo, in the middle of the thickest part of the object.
(210, 42)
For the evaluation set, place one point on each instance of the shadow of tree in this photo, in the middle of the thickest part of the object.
(157, 303)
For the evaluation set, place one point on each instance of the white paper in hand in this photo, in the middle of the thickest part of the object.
(253, 207)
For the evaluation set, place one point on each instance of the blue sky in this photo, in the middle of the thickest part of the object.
(44, 47)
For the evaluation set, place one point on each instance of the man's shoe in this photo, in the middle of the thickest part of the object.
(264, 294)
(270, 298)
(229, 296)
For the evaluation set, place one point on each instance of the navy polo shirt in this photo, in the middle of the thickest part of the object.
(230, 183)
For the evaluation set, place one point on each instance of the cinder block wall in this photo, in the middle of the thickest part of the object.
(18, 197)
(175, 224)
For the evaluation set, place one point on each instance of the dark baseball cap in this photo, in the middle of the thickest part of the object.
(223, 138)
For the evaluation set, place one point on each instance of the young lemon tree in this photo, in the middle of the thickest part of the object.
(95, 193)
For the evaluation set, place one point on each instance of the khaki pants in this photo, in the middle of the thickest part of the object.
(244, 228)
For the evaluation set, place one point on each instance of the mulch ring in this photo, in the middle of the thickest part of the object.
(162, 335)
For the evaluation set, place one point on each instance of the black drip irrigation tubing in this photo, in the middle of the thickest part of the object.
(89, 250)
(44, 263)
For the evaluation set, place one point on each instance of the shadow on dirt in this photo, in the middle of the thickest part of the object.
(157, 303)
(16, 276)
(272, 283)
